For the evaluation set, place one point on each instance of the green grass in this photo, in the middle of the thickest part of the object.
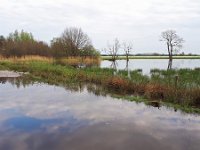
(162, 86)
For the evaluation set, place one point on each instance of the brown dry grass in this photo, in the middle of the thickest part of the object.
(74, 61)
(27, 59)
(117, 83)
(155, 91)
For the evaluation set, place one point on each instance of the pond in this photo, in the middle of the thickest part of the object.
(38, 116)
(147, 64)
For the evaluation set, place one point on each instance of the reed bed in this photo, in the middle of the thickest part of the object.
(70, 61)
(79, 61)
(27, 58)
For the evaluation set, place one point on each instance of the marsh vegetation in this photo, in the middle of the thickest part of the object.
(181, 87)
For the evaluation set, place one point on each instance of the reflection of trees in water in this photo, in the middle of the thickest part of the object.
(73, 87)
(114, 66)
(97, 90)
(3, 80)
(78, 87)
(18, 82)
(169, 64)
(127, 69)
(91, 88)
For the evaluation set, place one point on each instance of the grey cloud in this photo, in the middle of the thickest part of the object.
(102, 20)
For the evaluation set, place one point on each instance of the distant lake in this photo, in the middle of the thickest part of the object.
(147, 64)
(37, 116)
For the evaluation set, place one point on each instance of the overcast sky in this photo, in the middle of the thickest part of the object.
(136, 21)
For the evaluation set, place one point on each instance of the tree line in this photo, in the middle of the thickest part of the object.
(72, 42)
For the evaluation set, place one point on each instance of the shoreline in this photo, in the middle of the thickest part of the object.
(149, 57)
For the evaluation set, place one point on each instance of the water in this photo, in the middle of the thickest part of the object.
(37, 116)
(147, 64)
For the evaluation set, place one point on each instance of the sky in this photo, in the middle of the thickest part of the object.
(137, 21)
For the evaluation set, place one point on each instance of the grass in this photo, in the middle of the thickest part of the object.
(150, 57)
(78, 61)
(27, 59)
(180, 88)
(70, 61)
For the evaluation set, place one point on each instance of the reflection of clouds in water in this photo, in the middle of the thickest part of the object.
(133, 136)
(52, 113)
(147, 64)
(54, 102)
(44, 101)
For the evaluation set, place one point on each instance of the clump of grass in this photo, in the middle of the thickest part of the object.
(138, 78)
(117, 84)
(155, 70)
(155, 91)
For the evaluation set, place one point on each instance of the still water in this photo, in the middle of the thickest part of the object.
(39, 116)
(147, 64)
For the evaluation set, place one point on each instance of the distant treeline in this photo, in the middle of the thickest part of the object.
(73, 42)
(153, 54)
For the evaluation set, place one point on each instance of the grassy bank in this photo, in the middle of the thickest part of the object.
(180, 88)
(150, 57)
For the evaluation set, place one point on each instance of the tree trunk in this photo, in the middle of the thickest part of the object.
(169, 53)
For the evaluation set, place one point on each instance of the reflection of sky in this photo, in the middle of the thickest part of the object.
(28, 124)
(147, 64)
(47, 114)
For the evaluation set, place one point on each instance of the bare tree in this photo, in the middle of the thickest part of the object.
(74, 40)
(113, 49)
(173, 42)
(127, 49)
